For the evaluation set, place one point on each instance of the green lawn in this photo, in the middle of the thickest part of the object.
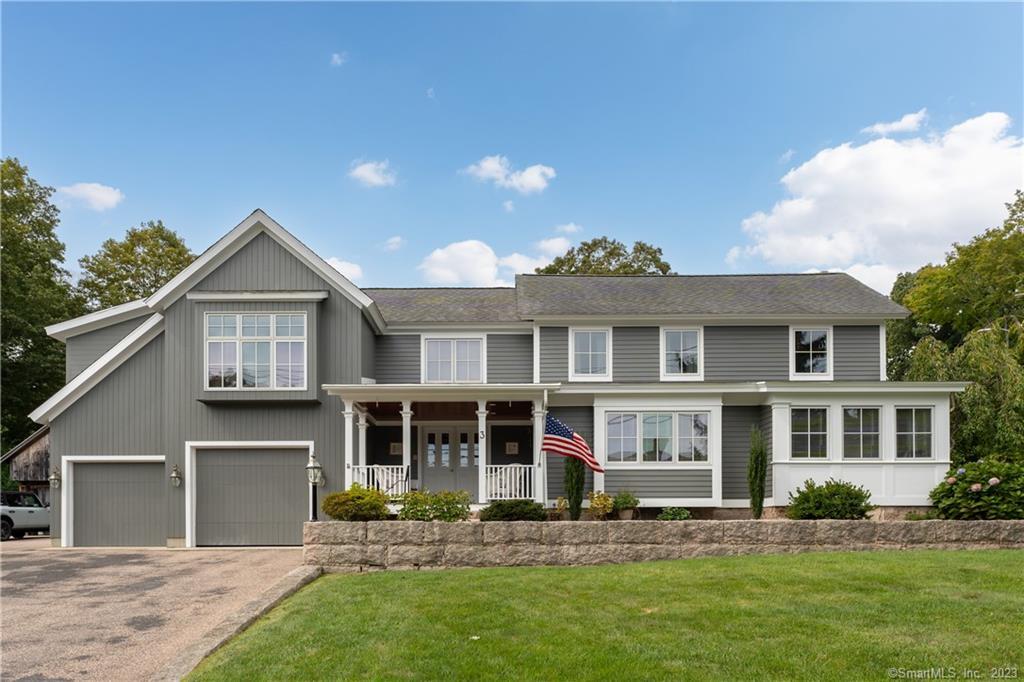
(812, 616)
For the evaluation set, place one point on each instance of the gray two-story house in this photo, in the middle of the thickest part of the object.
(189, 417)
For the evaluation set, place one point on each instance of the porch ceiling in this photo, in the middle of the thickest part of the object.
(450, 411)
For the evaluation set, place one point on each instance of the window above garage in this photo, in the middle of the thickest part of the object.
(256, 351)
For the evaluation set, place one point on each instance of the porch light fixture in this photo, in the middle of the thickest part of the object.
(314, 471)
(55, 478)
(176, 476)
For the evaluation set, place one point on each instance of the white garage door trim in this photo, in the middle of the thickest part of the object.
(67, 489)
(192, 446)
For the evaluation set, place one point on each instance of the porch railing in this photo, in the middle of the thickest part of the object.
(509, 481)
(393, 480)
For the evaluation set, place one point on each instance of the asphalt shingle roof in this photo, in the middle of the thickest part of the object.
(405, 306)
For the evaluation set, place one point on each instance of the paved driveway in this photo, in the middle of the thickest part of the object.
(119, 614)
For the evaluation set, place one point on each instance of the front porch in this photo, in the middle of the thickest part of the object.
(484, 439)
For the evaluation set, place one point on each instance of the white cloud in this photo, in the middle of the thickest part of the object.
(394, 243)
(517, 262)
(372, 173)
(339, 58)
(569, 228)
(888, 206)
(509, 206)
(908, 124)
(787, 156)
(555, 246)
(94, 195)
(498, 170)
(352, 271)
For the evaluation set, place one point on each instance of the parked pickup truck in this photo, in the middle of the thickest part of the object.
(22, 513)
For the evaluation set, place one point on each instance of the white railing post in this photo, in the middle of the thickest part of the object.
(347, 453)
(362, 438)
(481, 425)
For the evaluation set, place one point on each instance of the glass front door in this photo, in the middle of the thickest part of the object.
(450, 460)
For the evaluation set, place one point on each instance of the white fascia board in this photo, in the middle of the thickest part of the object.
(97, 320)
(441, 392)
(468, 327)
(707, 319)
(256, 295)
(788, 387)
(98, 370)
(233, 241)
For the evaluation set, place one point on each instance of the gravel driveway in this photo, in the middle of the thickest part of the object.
(119, 614)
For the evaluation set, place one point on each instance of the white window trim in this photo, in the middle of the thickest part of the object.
(453, 336)
(896, 431)
(674, 438)
(829, 433)
(668, 376)
(573, 376)
(830, 336)
(842, 433)
(239, 339)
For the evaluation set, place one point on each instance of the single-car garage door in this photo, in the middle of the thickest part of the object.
(119, 504)
(251, 496)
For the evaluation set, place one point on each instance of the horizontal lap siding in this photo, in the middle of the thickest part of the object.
(580, 420)
(398, 359)
(509, 358)
(118, 505)
(857, 353)
(648, 483)
(84, 349)
(635, 355)
(737, 423)
(554, 353)
(746, 353)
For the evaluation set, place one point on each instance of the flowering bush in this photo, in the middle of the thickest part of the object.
(986, 489)
(446, 505)
(601, 505)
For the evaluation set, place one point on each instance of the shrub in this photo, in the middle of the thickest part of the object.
(624, 499)
(356, 504)
(831, 500)
(446, 505)
(757, 468)
(986, 489)
(514, 510)
(920, 516)
(574, 479)
(601, 505)
(674, 514)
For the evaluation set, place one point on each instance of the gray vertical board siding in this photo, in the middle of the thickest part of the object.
(509, 358)
(368, 350)
(251, 497)
(766, 429)
(857, 353)
(649, 483)
(580, 420)
(378, 446)
(746, 353)
(635, 355)
(119, 504)
(82, 350)
(398, 359)
(737, 422)
(500, 434)
(554, 354)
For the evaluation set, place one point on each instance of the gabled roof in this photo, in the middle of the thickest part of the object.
(446, 305)
(20, 447)
(821, 294)
(62, 331)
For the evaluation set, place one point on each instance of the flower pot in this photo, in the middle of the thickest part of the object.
(626, 514)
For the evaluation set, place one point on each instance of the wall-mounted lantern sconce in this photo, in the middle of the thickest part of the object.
(175, 476)
(55, 478)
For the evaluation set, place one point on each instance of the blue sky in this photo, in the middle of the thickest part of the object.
(671, 123)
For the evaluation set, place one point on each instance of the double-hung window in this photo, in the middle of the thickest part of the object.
(681, 355)
(913, 432)
(256, 351)
(657, 437)
(809, 430)
(453, 360)
(810, 353)
(861, 428)
(590, 354)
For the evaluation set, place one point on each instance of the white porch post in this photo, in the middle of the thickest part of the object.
(347, 453)
(481, 427)
(539, 415)
(362, 438)
(407, 437)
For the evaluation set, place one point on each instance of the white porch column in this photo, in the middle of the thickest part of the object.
(347, 453)
(539, 479)
(481, 427)
(362, 438)
(407, 436)
(781, 444)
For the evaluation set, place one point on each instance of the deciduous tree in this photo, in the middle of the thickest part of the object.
(604, 256)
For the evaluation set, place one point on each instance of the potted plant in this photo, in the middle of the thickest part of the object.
(601, 505)
(562, 509)
(625, 503)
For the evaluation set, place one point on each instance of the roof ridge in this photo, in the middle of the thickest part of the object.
(439, 288)
(676, 274)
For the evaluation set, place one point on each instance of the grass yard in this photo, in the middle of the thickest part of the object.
(847, 616)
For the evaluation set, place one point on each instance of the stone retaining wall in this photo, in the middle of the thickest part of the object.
(374, 545)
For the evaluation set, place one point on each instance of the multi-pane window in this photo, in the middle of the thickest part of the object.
(256, 351)
(590, 353)
(810, 351)
(657, 437)
(454, 361)
(682, 352)
(861, 432)
(913, 432)
(809, 429)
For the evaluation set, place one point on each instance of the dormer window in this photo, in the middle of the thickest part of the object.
(258, 351)
(454, 360)
(810, 353)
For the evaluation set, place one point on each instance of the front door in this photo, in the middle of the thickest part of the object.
(450, 460)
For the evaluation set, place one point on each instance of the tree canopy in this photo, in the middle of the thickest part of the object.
(604, 256)
(36, 292)
(133, 267)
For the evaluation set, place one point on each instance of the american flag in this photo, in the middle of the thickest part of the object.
(562, 440)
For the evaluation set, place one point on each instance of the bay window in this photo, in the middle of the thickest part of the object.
(261, 351)
(657, 437)
(453, 360)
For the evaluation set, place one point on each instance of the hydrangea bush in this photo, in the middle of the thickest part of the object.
(986, 489)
